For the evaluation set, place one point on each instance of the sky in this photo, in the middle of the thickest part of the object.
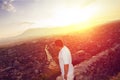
(16, 16)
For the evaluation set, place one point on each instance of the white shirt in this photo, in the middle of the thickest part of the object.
(65, 58)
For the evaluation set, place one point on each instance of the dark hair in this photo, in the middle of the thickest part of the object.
(59, 43)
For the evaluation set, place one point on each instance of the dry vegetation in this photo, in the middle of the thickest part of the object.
(28, 61)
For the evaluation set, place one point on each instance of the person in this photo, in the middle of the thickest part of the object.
(65, 61)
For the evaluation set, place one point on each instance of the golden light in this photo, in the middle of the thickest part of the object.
(75, 15)
(68, 16)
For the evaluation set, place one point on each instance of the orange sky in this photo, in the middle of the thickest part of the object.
(20, 15)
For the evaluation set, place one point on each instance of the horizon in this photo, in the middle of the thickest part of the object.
(63, 27)
(34, 34)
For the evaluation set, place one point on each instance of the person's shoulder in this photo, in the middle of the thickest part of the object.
(66, 49)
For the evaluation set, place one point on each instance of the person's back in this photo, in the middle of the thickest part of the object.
(65, 61)
(65, 58)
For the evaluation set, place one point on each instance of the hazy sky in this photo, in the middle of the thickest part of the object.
(19, 15)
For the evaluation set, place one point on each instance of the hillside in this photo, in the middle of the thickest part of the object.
(28, 60)
(36, 33)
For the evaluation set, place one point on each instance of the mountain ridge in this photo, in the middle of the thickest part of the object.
(35, 33)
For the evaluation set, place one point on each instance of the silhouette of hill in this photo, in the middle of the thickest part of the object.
(36, 33)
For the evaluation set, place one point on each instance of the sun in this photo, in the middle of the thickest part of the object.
(68, 16)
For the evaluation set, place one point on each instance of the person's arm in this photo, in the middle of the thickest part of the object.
(66, 60)
(66, 66)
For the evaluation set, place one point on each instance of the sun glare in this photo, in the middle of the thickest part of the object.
(68, 16)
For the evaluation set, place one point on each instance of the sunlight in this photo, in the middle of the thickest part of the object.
(68, 16)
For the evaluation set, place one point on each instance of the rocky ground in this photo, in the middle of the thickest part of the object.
(100, 67)
(95, 56)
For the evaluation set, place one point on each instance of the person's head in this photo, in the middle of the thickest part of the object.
(59, 43)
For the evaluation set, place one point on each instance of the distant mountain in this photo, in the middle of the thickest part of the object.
(36, 33)
(44, 32)
(40, 32)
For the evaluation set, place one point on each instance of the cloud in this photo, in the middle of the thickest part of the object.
(7, 5)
